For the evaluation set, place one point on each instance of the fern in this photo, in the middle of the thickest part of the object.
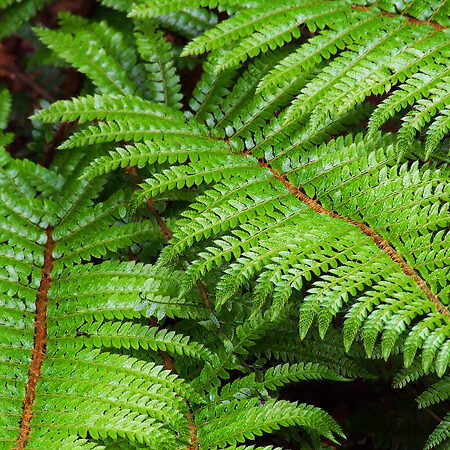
(37, 237)
(162, 78)
(372, 50)
(280, 240)
(13, 13)
(115, 394)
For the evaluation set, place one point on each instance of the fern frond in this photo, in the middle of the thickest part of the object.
(318, 48)
(98, 51)
(440, 434)
(422, 113)
(243, 24)
(5, 107)
(283, 29)
(289, 233)
(416, 87)
(224, 207)
(160, 7)
(436, 393)
(209, 92)
(109, 108)
(81, 391)
(417, 9)
(158, 56)
(189, 22)
(15, 12)
(123, 118)
(369, 65)
(281, 375)
(171, 149)
(119, 5)
(127, 335)
(250, 419)
(437, 131)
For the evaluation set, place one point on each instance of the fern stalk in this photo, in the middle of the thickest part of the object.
(40, 337)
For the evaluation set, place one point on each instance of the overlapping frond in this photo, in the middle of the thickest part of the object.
(367, 51)
(234, 421)
(82, 391)
(251, 214)
(296, 220)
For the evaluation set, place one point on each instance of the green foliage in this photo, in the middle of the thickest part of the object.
(367, 54)
(157, 52)
(5, 108)
(13, 13)
(281, 241)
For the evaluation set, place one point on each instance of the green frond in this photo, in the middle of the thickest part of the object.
(157, 53)
(83, 248)
(326, 352)
(209, 92)
(286, 373)
(123, 118)
(433, 11)
(423, 112)
(369, 64)
(84, 391)
(241, 25)
(139, 291)
(189, 22)
(119, 5)
(416, 87)
(438, 392)
(196, 173)
(110, 108)
(351, 264)
(127, 335)
(437, 131)
(282, 29)
(318, 48)
(299, 246)
(97, 50)
(5, 107)
(171, 149)
(160, 7)
(440, 434)
(13, 13)
(251, 419)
